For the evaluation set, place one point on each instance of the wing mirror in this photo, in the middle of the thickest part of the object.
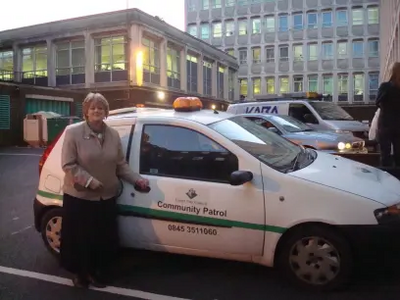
(240, 177)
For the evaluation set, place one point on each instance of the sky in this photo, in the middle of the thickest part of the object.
(28, 12)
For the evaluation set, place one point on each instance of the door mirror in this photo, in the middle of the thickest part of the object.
(240, 177)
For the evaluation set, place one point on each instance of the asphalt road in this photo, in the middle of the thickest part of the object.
(25, 263)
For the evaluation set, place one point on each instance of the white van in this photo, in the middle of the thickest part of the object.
(225, 187)
(320, 115)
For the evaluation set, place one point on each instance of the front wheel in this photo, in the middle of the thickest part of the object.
(316, 257)
(51, 230)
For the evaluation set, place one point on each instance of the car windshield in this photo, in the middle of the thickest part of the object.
(290, 124)
(263, 144)
(331, 111)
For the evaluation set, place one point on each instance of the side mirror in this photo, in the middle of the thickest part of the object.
(240, 177)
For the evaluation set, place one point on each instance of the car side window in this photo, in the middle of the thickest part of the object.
(302, 113)
(173, 151)
(265, 123)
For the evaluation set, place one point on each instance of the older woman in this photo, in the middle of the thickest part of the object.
(92, 159)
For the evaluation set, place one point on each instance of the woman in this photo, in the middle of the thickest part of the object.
(388, 100)
(92, 159)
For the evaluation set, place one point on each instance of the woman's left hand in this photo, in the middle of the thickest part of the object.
(142, 183)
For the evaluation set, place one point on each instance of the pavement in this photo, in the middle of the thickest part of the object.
(29, 272)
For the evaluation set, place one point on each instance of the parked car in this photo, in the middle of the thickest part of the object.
(302, 134)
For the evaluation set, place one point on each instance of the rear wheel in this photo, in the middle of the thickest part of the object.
(51, 230)
(316, 257)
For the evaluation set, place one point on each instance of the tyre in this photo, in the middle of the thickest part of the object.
(51, 230)
(316, 257)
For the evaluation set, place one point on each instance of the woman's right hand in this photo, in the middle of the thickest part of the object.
(95, 184)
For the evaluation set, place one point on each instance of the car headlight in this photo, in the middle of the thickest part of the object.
(342, 146)
(388, 214)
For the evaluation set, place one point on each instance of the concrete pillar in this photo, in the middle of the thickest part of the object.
(183, 69)
(135, 45)
(226, 83)
(163, 63)
(17, 62)
(200, 81)
(89, 63)
(214, 74)
(237, 86)
(51, 63)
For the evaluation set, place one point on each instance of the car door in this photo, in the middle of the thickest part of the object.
(191, 205)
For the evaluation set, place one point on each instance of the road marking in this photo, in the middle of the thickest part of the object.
(19, 154)
(21, 230)
(65, 281)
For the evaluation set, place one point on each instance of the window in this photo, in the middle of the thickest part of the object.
(242, 27)
(298, 83)
(343, 86)
(205, 4)
(229, 28)
(373, 15)
(312, 20)
(342, 50)
(70, 62)
(256, 86)
(256, 55)
(373, 48)
(327, 19)
(205, 31)
(217, 30)
(230, 3)
(313, 83)
(207, 77)
(327, 51)
(243, 56)
(243, 87)
(231, 85)
(312, 52)
(34, 65)
(328, 84)
(191, 69)
(216, 3)
(173, 68)
(151, 61)
(5, 117)
(242, 2)
(373, 84)
(230, 51)
(341, 18)
(358, 87)
(220, 82)
(298, 22)
(270, 85)
(298, 52)
(357, 15)
(178, 152)
(283, 23)
(284, 84)
(283, 53)
(358, 49)
(256, 25)
(270, 54)
(191, 5)
(269, 24)
(192, 30)
(6, 65)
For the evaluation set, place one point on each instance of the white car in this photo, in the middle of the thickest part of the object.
(225, 187)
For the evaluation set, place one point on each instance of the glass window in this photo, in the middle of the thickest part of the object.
(284, 84)
(243, 56)
(373, 84)
(220, 82)
(205, 4)
(243, 2)
(298, 83)
(230, 52)
(217, 30)
(342, 50)
(205, 31)
(313, 83)
(327, 19)
(216, 3)
(243, 87)
(269, 24)
(192, 30)
(229, 28)
(256, 25)
(289, 123)
(231, 85)
(358, 49)
(191, 73)
(358, 16)
(341, 18)
(298, 52)
(7, 65)
(373, 15)
(173, 68)
(172, 151)
(34, 62)
(330, 111)
(70, 62)
(312, 52)
(256, 86)
(270, 54)
(229, 3)
(312, 21)
(270, 85)
(358, 80)
(256, 55)
(327, 51)
(328, 84)
(298, 22)
(151, 61)
(283, 23)
(191, 5)
(266, 146)
(242, 27)
(373, 48)
(284, 53)
(343, 84)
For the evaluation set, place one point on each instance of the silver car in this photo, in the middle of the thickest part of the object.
(302, 134)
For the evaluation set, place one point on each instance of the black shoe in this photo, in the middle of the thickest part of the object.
(96, 282)
(80, 282)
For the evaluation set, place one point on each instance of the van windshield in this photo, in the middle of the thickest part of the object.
(268, 147)
(331, 111)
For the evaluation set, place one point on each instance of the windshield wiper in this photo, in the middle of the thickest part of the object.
(295, 161)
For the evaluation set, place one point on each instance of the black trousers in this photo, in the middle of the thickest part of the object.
(89, 235)
(388, 139)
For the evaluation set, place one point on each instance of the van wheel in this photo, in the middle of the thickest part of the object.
(316, 257)
(51, 230)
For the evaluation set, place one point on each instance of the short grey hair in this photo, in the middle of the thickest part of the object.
(94, 97)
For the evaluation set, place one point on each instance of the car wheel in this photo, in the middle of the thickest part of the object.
(316, 257)
(51, 230)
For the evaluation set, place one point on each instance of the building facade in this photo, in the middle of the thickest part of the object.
(327, 46)
(389, 37)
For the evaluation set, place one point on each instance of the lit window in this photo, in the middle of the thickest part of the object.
(173, 68)
(313, 83)
(243, 87)
(270, 85)
(7, 65)
(70, 62)
(298, 52)
(256, 55)
(256, 86)
(298, 83)
(373, 15)
(229, 28)
(358, 17)
(217, 30)
(243, 27)
(256, 26)
(284, 84)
